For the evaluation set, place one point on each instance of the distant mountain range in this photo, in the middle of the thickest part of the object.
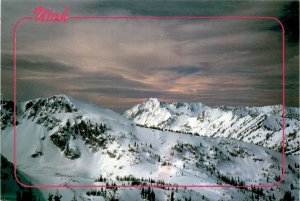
(63, 141)
(258, 125)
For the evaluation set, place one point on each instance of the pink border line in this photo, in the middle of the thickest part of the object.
(155, 186)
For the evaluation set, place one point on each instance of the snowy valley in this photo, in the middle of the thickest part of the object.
(62, 141)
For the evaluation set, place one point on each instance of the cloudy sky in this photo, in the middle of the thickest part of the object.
(117, 63)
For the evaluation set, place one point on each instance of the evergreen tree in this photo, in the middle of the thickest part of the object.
(172, 196)
(28, 195)
(50, 197)
(143, 193)
(19, 196)
(149, 194)
(287, 196)
(74, 198)
(67, 149)
(152, 196)
(57, 196)
(104, 128)
(68, 124)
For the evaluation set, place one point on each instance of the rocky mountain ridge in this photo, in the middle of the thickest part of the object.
(258, 125)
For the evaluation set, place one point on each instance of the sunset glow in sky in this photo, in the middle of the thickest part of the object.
(117, 63)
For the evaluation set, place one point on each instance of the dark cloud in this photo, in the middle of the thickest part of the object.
(37, 63)
(184, 70)
(290, 20)
(126, 92)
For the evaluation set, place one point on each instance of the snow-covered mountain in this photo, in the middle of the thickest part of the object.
(63, 141)
(258, 125)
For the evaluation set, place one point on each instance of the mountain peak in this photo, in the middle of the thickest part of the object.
(154, 100)
(50, 104)
(61, 97)
(152, 103)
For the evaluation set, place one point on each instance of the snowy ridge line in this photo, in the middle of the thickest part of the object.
(258, 125)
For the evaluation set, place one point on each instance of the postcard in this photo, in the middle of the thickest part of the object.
(149, 100)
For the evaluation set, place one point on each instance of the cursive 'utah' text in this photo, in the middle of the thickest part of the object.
(48, 15)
